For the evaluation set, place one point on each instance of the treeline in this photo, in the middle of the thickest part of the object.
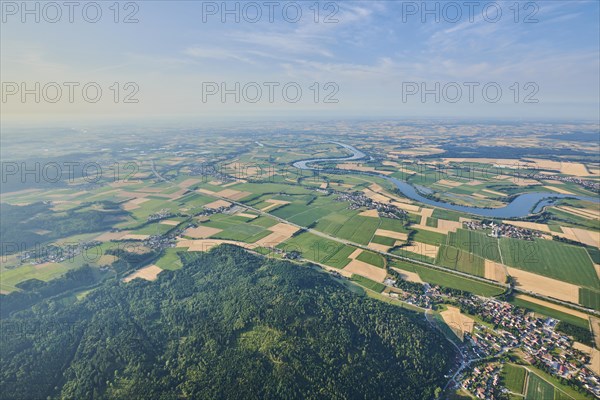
(20, 225)
(578, 333)
(228, 325)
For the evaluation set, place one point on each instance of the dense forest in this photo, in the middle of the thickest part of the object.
(228, 325)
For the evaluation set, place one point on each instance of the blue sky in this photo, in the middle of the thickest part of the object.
(370, 54)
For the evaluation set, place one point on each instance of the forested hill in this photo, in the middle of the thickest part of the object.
(228, 325)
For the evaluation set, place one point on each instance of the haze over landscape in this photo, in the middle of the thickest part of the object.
(310, 199)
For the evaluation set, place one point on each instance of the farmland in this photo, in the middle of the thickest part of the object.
(552, 259)
(514, 377)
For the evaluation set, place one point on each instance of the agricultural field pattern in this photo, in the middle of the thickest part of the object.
(447, 221)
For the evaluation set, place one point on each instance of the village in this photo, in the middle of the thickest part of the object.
(498, 328)
(502, 230)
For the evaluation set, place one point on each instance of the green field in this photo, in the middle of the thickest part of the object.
(368, 283)
(429, 237)
(318, 249)
(589, 298)
(475, 242)
(170, 259)
(552, 259)
(359, 229)
(437, 277)
(538, 389)
(372, 258)
(460, 260)
(514, 377)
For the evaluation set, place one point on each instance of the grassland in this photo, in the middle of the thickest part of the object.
(437, 277)
(318, 249)
(589, 298)
(514, 377)
(372, 258)
(475, 242)
(369, 284)
(538, 389)
(460, 260)
(553, 259)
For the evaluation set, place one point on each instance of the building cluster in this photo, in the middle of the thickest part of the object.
(593, 185)
(55, 253)
(538, 338)
(502, 230)
(359, 199)
(483, 381)
(165, 213)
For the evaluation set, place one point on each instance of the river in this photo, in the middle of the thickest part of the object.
(521, 206)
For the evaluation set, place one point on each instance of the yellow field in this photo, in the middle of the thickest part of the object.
(594, 354)
(169, 222)
(148, 273)
(369, 213)
(408, 276)
(557, 307)
(201, 232)
(391, 234)
(458, 322)
(367, 270)
(545, 286)
(217, 204)
(495, 271)
(132, 236)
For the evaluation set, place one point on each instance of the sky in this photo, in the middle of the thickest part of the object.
(304, 59)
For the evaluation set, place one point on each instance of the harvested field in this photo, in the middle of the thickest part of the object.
(408, 276)
(134, 204)
(201, 232)
(169, 222)
(406, 207)
(133, 236)
(217, 204)
(446, 182)
(557, 307)
(274, 204)
(148, 273)
(391, 234)
(590, 238)
(557, 189)
(594, 354)
(108, 236)
(281, 233)
(448, 226)
(426, 213)
(367, 270)
(443, 226)
(355, 254)
(376, 196)
(458, 322)
(246, 215)
(378, 247)
(583, 212)
(495, 271)
(232, 194)
(530, 225)
(370, 213)
(595, 325)
(545, 286)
